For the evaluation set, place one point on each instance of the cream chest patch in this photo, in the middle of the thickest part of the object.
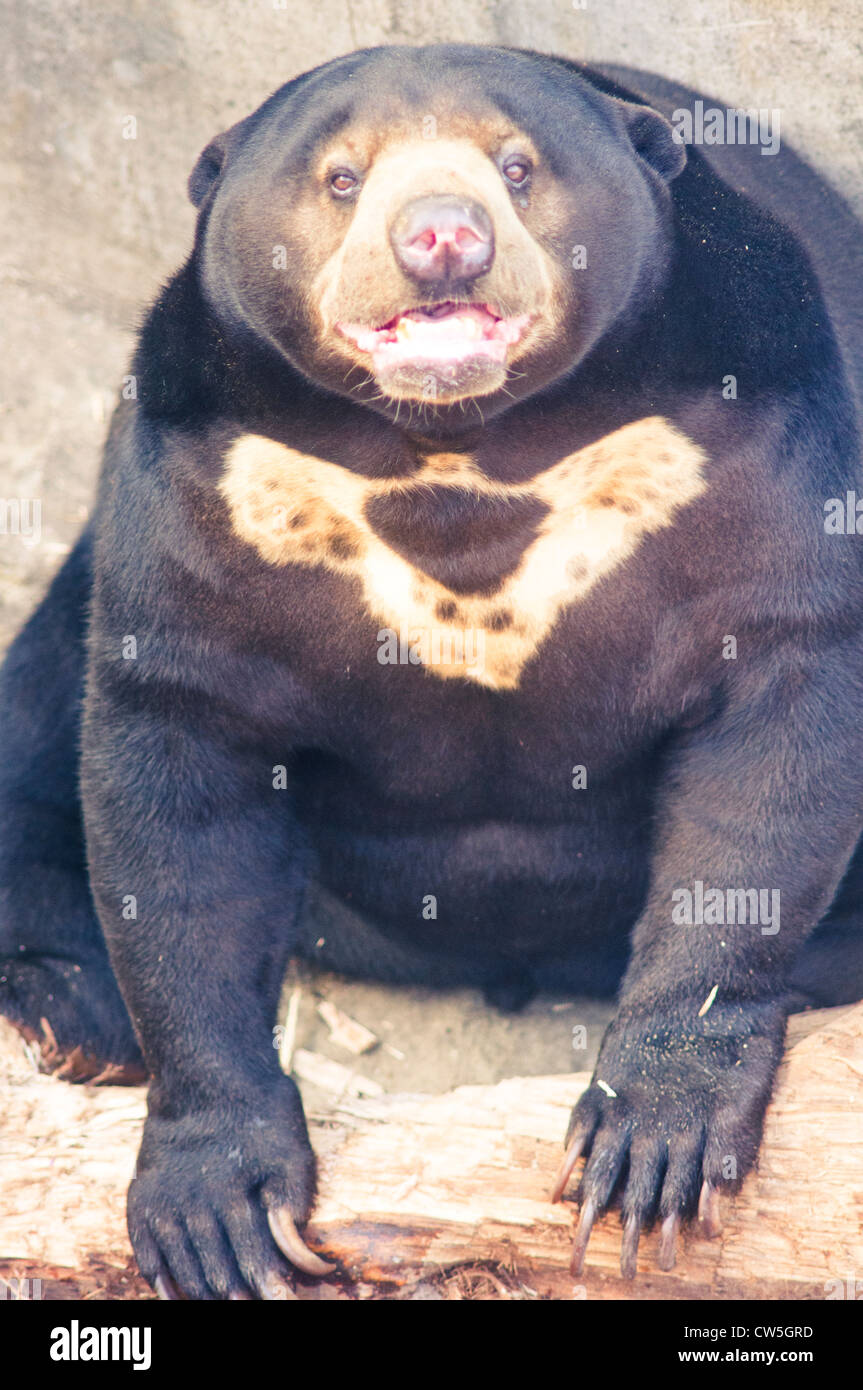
(296, 509)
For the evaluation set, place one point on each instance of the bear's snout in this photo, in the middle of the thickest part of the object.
(443, 239)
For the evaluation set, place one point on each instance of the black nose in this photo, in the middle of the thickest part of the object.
(443, 238)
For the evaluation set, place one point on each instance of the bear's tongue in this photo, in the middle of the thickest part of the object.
(442, 332)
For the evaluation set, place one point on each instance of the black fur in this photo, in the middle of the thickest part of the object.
(151, 778)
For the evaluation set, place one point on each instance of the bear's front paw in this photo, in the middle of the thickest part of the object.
(217, 1199)
(674, 1111)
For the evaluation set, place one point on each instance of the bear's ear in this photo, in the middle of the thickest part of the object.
(209, 166)
(653, 138)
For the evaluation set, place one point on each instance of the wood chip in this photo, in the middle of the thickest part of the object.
(288, 1038)
(345, 1031)
(333, 1076)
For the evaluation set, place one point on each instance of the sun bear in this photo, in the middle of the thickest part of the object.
(488, 433)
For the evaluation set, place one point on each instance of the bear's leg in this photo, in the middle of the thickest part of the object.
(829, 969)
(56, 982)
(757, 800)
(198, 867)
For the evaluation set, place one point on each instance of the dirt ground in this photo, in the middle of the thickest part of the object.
(433, 1041)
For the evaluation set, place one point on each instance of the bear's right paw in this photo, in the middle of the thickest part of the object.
(217, 1199)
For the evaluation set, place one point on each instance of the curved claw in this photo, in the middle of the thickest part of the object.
(292, 1245)
(629, 1247)
(582, 1236)
(166, 1289)
(564, 1173)
(708, 1210)
(668, 1241)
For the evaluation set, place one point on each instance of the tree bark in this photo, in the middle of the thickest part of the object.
(413, 1187)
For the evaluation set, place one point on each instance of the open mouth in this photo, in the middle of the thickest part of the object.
(442, 334)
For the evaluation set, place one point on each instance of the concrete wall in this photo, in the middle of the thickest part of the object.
(95, 221)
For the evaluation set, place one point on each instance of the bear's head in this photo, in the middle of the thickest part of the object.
(436, 226)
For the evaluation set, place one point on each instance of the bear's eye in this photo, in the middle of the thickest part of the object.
(516, 171)
(342, 182)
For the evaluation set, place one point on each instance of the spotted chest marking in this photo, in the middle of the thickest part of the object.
(296, 509)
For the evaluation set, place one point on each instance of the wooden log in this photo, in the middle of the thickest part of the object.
(414, 1187)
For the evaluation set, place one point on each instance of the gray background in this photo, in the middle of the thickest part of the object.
(94, 222)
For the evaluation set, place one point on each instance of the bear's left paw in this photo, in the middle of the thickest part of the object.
(673, 1114)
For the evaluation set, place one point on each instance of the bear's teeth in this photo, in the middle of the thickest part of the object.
(452, 325)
